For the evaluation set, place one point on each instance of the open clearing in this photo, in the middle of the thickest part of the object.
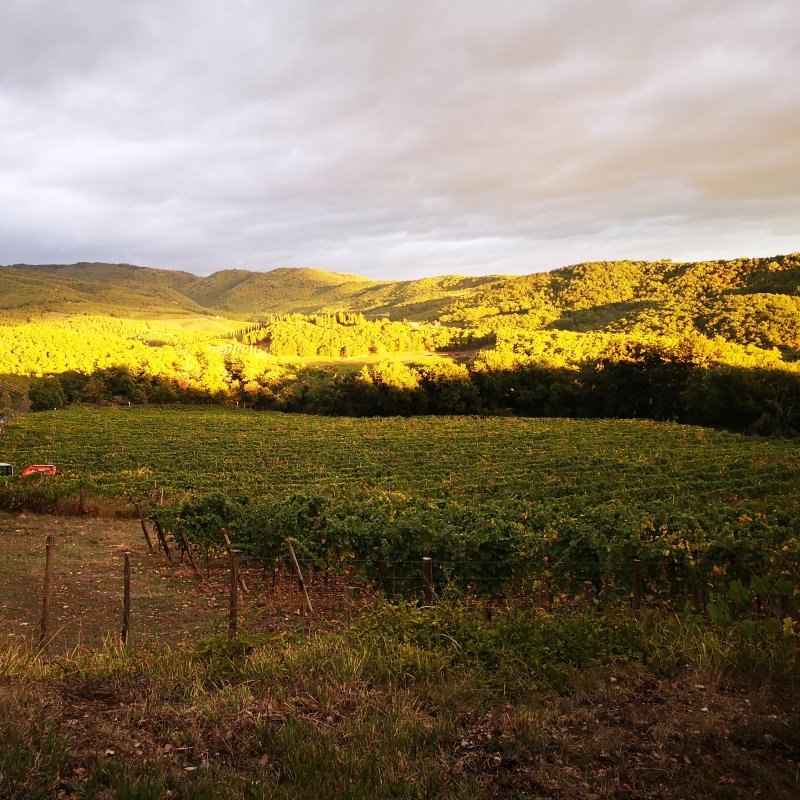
(86, 599)
(169, 604)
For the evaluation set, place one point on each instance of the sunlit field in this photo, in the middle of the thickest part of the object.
(122, 452)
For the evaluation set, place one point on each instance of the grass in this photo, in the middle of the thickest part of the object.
(401, 702)
(86, 585)
(404, 702)
(116, 453)
(419, 711)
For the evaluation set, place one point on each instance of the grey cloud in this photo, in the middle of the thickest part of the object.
(397, 139)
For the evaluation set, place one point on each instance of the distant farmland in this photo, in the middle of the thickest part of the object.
(122, 452)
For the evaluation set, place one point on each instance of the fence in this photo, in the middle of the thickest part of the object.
(426, 582)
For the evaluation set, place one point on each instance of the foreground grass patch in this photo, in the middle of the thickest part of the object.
(415, 703)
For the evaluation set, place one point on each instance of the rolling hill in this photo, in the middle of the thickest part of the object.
(130, 290)
(715, 297)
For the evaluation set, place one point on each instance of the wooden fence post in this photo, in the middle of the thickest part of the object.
(144, 529)
(299, 575)
(637, 584)
(186, 547)
(427, 580)
(48, 564)
(229, 547)
(233, 612)
(162, 538)
(126, 596)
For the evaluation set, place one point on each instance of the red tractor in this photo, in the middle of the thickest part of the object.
(39, 469)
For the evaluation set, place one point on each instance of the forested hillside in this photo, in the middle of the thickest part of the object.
(715, 296)
(713, 342)
(134, 291)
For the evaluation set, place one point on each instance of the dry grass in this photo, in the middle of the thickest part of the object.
(619, 734)
(86, 587)
(169, 603)
(405, 703)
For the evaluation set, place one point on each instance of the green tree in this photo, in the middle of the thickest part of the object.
(46, 393)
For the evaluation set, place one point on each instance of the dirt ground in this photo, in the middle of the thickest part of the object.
(619, 733)
(168, 602)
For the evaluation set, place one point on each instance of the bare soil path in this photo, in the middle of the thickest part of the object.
(169, 604)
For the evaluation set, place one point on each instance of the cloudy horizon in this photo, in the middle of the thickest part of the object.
(397, 140)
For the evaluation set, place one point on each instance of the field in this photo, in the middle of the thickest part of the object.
(493, 501)
(121, 452)
(517, 683)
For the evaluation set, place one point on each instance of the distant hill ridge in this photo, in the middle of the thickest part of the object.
(583, 295)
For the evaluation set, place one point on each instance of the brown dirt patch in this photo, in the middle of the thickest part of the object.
(169, 604)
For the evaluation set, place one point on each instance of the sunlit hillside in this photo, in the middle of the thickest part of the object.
(90, 288)
(704, 342)
(581, 297)
(135, 291)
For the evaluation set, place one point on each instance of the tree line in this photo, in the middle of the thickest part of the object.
(347, 335)
(649, 383)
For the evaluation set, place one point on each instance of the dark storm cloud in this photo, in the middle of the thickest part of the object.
(397, 138)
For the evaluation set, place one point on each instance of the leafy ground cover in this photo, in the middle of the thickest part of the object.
(520, 698)
(119, 453)
(492, 501)
(413, 703)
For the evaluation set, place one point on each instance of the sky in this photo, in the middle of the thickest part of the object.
(398, 138)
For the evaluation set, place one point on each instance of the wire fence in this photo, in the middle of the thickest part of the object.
(725, 589)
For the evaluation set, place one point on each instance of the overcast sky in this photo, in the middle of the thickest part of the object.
(397, 138)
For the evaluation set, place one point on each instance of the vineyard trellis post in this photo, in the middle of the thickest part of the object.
(299, 575)
(637, 584)
(146, 533)
(427, 580)
(186, 547)
(229, 547)
(162, 538)
(126, 595)
(48, 564)
(233, 610)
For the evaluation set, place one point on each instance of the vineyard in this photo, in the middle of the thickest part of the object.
(499, 504)
(13, 387)
(121, 452)
(610, 604)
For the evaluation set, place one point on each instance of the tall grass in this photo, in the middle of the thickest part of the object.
(407, 702)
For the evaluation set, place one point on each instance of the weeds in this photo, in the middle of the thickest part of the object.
(411, 703)
(33, 757)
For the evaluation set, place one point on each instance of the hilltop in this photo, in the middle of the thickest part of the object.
(127, 290)
(583, 297)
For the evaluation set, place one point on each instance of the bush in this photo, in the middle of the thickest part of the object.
(46, 394)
